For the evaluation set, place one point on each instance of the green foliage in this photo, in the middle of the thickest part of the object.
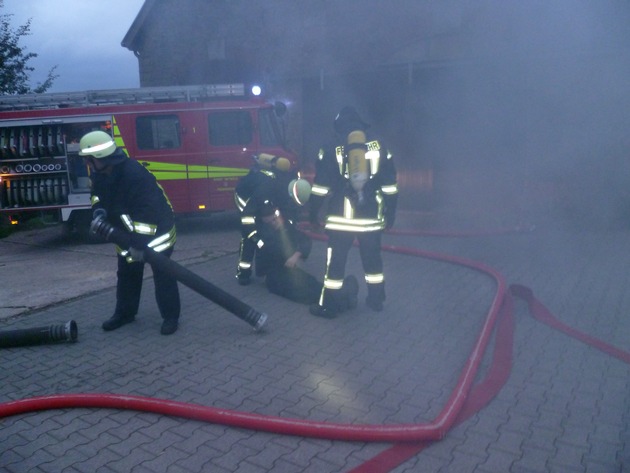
(14, 69)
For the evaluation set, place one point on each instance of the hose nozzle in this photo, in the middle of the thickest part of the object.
(255, 319)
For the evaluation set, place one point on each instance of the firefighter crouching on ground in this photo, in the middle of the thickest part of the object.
(128, 196)
(281, 248)
(267, 180)
(357, 179)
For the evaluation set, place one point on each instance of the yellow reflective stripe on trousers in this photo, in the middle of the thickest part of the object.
(376, 278)
(390, 190)
(334, 284)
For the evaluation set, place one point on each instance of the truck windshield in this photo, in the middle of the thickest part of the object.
(269, 128)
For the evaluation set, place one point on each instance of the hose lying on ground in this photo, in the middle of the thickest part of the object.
(465, 400)
(67, 332)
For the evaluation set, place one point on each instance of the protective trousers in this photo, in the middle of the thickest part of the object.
(129, 288)
(339, 244)
(246, 254)
(295, 284)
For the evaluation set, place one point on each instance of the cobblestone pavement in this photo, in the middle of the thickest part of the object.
(565, 407)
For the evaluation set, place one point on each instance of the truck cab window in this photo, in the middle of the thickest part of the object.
(269, 130)
(230, 128)
(158, 132)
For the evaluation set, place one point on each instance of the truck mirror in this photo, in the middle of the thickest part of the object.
(280, 109)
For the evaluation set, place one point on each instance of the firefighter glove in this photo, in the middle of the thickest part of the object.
(136, 254)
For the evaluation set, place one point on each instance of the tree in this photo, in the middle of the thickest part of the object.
(14, 69)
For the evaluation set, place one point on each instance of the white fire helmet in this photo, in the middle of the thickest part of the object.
(96, 143)
(300, 191)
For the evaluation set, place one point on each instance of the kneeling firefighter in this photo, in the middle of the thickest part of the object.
(267, 180)
(356, 178)
(128, 196)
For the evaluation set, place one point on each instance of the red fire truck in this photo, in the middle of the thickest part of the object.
(197, 141)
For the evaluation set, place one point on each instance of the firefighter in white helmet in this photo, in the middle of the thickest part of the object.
(357, 181)
(130, 199)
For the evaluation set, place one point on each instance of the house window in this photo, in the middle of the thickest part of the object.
(230, 128)
(158, 132)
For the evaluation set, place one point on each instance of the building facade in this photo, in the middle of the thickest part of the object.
(475, 90)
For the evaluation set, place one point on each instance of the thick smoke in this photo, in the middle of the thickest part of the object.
(510, 108)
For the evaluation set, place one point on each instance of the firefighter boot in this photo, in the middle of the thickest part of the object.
(243, 280)
(244, 276)
(169, 326)
(351, 290)
(376, 296)
(117, 321)
(324, 312)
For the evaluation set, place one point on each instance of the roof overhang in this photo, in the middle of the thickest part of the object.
(131, 39)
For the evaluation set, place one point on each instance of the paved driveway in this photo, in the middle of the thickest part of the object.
(565, 406)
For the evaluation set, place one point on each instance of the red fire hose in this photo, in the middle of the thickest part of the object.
(369, 433)
(464, 401)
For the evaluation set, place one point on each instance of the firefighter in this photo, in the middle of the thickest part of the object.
(130, 199)
(357, 181)
(267, 180)
(281, 249)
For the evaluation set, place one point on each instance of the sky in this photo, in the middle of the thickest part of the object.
(82, 38)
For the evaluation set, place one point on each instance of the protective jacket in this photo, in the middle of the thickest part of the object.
(348, 210)
(135, 202)
(248, 184)
(251, 193)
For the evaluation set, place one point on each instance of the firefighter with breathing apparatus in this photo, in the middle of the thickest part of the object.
(128, 197)
(356, 179)
(268, 180)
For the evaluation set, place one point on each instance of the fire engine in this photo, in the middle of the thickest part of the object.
(197, 141)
